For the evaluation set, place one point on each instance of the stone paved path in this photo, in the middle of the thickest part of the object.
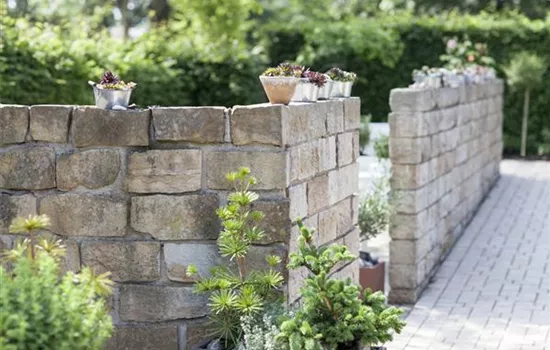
(493, 290)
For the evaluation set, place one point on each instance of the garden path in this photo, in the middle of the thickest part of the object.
(493, 290)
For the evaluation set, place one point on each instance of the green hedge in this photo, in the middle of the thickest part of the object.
(423, 42)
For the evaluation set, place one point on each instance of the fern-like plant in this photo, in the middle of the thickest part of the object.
(332, 315)
(237, 291)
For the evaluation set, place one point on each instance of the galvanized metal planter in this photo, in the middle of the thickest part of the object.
(279, 89)
(108, 99)
(326, 90)
(305, 91)
(341, 88)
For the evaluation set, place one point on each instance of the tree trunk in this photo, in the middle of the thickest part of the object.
(524, 123)
(500, 5)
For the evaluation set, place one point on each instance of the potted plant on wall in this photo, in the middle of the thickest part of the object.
(309, 86)
(111, 92)
(342, 82)
(326, 90)
(280, 82)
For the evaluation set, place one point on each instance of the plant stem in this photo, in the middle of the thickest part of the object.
(31, 236)
(524, 123)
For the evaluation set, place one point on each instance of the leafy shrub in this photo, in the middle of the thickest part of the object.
(332, 314)
(41, 310)
(382, 147)
(244, 292)
(375, 209)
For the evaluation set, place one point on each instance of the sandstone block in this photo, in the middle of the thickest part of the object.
(165, 171)
(85, 215)
(413, 100)
(406, 124)
(305, 160)
(270, 168)
(408, 177)
(92, 169)
(335, 115)
(345, 149)
(410, 150)
(335, 221)
(405, 276)
(276, 222)
(327, 153)
(343, 183)
(14, 121)
(404, 252)
(259, 124)
(447, 96)
(403, 295)
(30, 168)
(50, 122)
(317, 193)
(305, 122)
(405, 226)
(127, 261)
(144, 338)
(449, 118)
(100, 127)
(297, 196)
(352, 113)
(71, 260)
(179, 256)
(176, 217)
(14, 206)
(189, 124)
(143, 303)
(411, 202)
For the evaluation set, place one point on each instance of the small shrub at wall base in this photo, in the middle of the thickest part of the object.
(382, 147)
(39, 309)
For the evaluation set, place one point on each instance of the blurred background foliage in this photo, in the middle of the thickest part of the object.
(210, 52)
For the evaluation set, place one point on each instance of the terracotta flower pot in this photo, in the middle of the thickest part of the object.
(373, 277)
(279, 89)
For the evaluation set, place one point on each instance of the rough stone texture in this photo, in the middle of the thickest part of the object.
(14, 121)
(444, 148)
(352, 113)
(268, 167)
(258, 124)
(142, 303)
(306, 122)
(179, 256)
(29, 168)
(317, 190)
(85, 215)
(91, 169)
(166, 171)
(144, 338)
(276, 223)
(71, 260)
(50, 123)
(297, 196)
(189, 124)
(127, 261)
(100, 127)
(14, 206)
(176, 217)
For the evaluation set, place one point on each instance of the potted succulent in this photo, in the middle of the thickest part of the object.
(326, 90)
(308, 87)
(111, 92)
(280, 82)
(434, 78)
(342, 82)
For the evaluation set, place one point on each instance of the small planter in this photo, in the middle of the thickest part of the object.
(341, 88)
(107, 99)
(373, 277)
(326, 90)
(279, 89)
(306, 91)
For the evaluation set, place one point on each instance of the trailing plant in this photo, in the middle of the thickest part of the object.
(525, 72)
(109, 81)
(382, 147)
(338, 74)
(39, 309)
(237, 291)
(332, 315)
(375, 209)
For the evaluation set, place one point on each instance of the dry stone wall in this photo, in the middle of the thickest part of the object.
(135, 193)
(445, 149)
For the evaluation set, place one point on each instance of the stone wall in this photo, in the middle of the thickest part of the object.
(135, 193)
(445, 148)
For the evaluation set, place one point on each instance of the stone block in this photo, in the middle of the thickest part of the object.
(179, 256)
(345, 149)
(259, 124)
(449, 118)
(351, 271)
(410, 150)
(176, 217)
(305, 160)
(317, 193)
(189, 124)
(352, 113)
(164, 171)
(14, 121)
(297, 196)
(327, 153)
(71, 260)
(335, 221)
(91, 169)
(335, 115)
(356, 146)
(85, 215)
(343, 183)
(100, 127)
(50, 122)
(408, 177)
(447, 96)
(404, 252)
(406, 226)
(148, 303)
(15, 206)
(401, 296)
(270, 168)
(445, 163)
(29, 168)
(144, 338)
(411, 202)
(405, 276)
(127, 261)
(413, 100)
(406, 124)
(352, 240)
(305, 122)
(276, 222)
